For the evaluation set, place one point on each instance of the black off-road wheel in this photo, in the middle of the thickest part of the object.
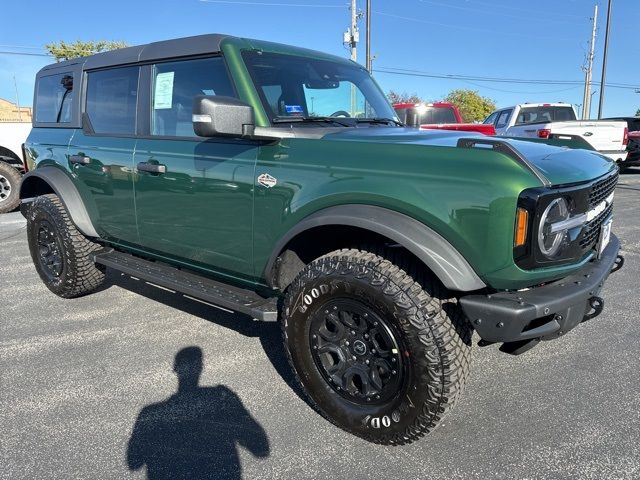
(380, 353)
(60, 253)
(10, 179)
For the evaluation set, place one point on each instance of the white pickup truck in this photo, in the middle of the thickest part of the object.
(558, 120)
(12, 136)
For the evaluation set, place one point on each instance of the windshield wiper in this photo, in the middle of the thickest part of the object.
(310, 120)
(381, 120)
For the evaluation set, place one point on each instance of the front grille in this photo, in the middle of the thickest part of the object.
(601, 189)
(592, 230)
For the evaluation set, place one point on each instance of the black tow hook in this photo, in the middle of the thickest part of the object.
(617, 265)
(596, 305)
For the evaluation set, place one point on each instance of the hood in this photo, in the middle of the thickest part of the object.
(559, 165)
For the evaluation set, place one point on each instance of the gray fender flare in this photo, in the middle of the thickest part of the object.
(438, 254)
(62, 185)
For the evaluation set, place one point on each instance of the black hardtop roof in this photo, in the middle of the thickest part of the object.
(178, 47)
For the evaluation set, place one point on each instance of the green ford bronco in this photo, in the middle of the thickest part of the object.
(278, 182)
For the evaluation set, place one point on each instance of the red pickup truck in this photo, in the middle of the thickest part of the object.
(439, 115)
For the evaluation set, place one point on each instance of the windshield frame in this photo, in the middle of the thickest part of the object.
(351, 121)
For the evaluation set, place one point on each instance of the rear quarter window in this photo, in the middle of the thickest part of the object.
(54, 97)
(111, 100)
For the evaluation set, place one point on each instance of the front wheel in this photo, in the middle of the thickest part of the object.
(381, 354)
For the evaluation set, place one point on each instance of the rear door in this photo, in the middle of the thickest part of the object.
(101, 154)
(194, 196)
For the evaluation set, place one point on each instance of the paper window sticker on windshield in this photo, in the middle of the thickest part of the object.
(208, 91)
(293, 109)
(163, 91)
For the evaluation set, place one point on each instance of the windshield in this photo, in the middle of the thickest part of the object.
(292, 86)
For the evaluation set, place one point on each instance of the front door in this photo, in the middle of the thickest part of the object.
(194, 196)
(101, 156)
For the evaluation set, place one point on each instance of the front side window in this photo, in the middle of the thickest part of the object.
(490, 120)
(293, 86)
(503, 119)
(54, 98)
(174, 86)
(111, 100)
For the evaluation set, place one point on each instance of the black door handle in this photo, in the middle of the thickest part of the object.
(79, 159)
(151, 167)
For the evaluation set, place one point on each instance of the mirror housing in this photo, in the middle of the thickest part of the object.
(215, 116)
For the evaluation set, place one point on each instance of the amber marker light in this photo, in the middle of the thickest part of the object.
(522, 220)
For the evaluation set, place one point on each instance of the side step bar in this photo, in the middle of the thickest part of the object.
(232, 298)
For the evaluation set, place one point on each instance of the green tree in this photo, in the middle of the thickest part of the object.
(638, 113)
(472, 106)
(404, 97)
(64, 51)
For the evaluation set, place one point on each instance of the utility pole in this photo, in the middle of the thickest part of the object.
(586, 99)
(369, 60)
(352, 37)
(604, 61)
(353, 33)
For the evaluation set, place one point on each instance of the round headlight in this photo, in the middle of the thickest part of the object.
(550, 242)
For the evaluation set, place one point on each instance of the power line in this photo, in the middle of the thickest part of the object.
(477, 10)
(27, 54)
(509, 7)
(20, 46)
(273, 4)
(473, 29)
(417, 73)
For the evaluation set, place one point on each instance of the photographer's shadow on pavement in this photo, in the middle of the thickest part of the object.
(195, 433)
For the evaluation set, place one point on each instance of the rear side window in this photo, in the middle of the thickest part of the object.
(437, 115)
(111, 100)
(54, 98)
(175, 84)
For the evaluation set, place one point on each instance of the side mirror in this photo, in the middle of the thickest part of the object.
(222, 116)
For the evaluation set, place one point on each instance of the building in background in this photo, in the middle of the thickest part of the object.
(10, 112)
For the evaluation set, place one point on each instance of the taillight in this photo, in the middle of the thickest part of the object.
(625, 137)
(544, 133)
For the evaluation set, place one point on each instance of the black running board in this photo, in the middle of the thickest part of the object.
(217, 293)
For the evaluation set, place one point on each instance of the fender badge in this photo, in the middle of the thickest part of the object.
(267, 180)
(588, 134)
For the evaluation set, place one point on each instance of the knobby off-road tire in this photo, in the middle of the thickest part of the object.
(10, 179)
(345, 304)
(60, 253)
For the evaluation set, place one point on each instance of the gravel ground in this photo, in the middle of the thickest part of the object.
(89, 390)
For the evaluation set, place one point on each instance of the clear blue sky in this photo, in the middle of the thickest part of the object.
(546, 39)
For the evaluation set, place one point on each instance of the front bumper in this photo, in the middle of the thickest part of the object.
(522, 318)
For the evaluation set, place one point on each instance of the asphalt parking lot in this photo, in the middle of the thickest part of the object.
(89, 390)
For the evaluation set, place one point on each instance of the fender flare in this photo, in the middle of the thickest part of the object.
(431, 248)
(63, 186)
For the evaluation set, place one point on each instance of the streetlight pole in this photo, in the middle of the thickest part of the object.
(604, 61)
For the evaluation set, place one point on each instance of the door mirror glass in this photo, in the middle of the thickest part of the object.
(222, 116)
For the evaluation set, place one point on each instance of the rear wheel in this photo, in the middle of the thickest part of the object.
(9, 187)
(60, 253)
(381, 354)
